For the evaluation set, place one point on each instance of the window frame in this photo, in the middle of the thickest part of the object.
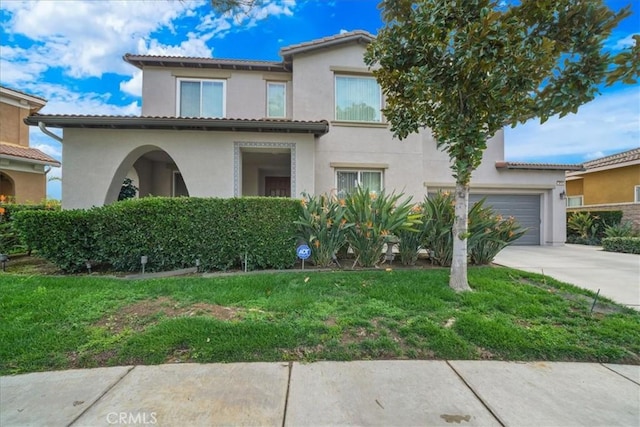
(359, 177)
(179, 81)
(337, 75)
(284, 99)
(636, 194)
(579, 197)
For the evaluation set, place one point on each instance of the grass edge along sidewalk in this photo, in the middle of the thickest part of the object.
(54, 323)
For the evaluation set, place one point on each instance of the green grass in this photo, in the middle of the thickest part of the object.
(51, 323)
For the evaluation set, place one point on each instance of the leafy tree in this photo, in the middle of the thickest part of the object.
(465, 69)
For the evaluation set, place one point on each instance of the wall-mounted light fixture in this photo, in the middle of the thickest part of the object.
(563, 195)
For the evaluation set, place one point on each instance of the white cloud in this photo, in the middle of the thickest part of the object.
(48, 149)
(608, 124)
(133, 86)
(343, 31)
(625, 42)
(245, 17)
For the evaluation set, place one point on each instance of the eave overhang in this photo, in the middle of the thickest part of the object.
(316, 128)
(538, 166)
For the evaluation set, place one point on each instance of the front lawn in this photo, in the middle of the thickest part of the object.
(53, 323)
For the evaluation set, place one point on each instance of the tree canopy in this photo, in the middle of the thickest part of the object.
(465, 69)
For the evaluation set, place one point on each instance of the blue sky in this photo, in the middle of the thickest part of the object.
(70, 52)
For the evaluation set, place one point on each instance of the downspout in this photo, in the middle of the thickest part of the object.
(47, 132)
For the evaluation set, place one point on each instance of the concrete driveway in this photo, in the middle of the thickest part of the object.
(616, 275)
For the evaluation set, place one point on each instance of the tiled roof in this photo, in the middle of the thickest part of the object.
(538, 166)
(614, 159)
(357, 35)
(27, 153)
(24, 93)
(179, 123)
(141, 61)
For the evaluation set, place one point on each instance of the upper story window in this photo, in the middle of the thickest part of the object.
(358, 99)
(637, 194)
(201, 98)
(276, 99)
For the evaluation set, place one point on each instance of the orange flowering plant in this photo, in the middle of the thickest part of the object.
(375, 218)
(322, 225)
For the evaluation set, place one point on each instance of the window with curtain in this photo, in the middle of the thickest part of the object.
(276, 99)
(358, 99)
(201, 98)
(347, 181)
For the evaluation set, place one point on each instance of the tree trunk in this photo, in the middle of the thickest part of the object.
(458, 276)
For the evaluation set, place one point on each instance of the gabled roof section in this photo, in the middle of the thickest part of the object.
(614, 159)
(142, 61)
(538, 166)
(357, 36)
(179, 123)
(31, 155)
(23, 99)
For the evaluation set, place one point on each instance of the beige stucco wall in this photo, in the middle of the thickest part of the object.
(29, 187)
(246, 91)
(96, 162)
(12, 128)
(616, 185)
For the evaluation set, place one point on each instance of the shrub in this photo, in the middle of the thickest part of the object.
(375, 217)
(620, 230)
(439, 214)
(10, 239)
(171, 232)
(411, 240)
(489, 233)
(599, 220)
(629, 245)
(322, 224)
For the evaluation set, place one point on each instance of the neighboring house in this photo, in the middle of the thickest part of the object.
(308, 123)
(23, 170)
(608, 183)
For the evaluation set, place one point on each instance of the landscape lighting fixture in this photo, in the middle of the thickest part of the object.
(143, 260)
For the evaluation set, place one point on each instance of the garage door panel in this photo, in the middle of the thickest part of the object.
(525, 208)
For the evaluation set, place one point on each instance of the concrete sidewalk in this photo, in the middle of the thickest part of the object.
(616, 275)
(384, 393)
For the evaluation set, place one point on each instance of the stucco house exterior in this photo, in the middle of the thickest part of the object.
(23, 169)
(310, 122)
(607, 183)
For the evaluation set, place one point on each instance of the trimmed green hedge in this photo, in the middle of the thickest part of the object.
(10, 240)
(172, 232)
(629, 245)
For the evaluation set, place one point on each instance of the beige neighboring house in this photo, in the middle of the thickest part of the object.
(310, 122)
(23, 170)
(606, 184)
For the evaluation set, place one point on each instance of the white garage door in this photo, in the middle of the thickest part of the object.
(524, 208)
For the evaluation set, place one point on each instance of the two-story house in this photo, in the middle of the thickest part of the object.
(23, 169)
(608, 183)
(310, 122)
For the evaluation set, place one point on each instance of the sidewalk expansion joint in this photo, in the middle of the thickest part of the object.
(286, 398)
(622, 375)
(107, 390)
(485, 404)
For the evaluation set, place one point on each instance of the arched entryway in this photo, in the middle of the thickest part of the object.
(153, 171)
(7, 186)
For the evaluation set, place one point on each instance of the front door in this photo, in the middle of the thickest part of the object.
(277, 186)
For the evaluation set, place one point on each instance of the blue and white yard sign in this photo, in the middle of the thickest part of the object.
(303, 252)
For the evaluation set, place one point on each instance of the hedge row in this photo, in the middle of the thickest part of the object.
(171, 232)
(629, 245)
(10, 240)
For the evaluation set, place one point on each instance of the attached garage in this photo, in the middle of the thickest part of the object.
(525, 208)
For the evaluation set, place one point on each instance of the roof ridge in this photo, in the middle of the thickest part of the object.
(23, 93)
(613, 157)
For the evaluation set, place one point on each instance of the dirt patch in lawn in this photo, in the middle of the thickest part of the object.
(143, 313)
